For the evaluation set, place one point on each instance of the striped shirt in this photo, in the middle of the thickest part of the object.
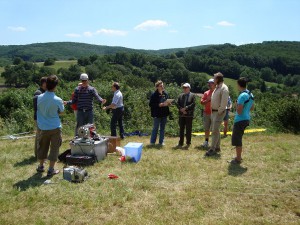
(84, 97)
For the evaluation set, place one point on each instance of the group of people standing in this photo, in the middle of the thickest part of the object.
(217, 104)
(48, 107)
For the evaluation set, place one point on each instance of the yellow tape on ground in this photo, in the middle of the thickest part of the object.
(230, 132)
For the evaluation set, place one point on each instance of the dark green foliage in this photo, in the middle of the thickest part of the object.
(49, 62)
(277, 112)
(137, 72)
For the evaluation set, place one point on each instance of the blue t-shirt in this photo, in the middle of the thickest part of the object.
(244, 97)
(48, 108)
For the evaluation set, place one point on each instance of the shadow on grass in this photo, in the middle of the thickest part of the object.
(154, 146)
(201, 148)
(236, 170)
(34, 181)
(217, 156)
(27, 161)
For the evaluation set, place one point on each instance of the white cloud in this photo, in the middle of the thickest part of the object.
(111, 32)
(208, 27)
(151, 24)
(225, 24)
(17, 29)
(73, 35)
(88, 34)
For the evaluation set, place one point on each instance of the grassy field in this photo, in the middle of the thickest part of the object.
(166, 187)
(60, 64)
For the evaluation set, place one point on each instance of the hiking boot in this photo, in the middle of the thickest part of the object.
(210, 152)
(205, 144)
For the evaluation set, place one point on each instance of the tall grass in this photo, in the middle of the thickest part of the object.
(166, 187)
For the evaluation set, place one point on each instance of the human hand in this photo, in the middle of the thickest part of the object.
(65, 102)
(103, 101)
(183, 110)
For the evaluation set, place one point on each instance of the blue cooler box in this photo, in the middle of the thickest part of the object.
(134, 150)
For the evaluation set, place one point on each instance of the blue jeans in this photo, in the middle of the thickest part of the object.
(84, 118)
(158, 122)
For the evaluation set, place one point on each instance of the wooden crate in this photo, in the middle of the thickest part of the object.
(113, 142)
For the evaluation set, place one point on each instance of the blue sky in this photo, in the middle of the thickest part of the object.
(149, 24)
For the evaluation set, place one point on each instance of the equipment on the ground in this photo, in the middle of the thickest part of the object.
(74, 174)
(88, 143)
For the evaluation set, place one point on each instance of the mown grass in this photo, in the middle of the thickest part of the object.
(166, 187)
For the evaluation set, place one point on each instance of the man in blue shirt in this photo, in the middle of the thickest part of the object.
(49, 106)
(117, 107)
(244, 104)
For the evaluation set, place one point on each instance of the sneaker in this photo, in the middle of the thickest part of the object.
(210, 152)
(52, 172)
(162, 144)
(40, 169)
(205, 144)
(235, 162)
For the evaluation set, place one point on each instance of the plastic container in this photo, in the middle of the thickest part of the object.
(90, 148)
(134, 151)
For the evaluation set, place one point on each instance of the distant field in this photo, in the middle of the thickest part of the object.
(60, 64)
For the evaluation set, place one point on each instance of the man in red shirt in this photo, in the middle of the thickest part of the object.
(205, 100)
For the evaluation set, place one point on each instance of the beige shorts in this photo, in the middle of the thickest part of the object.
(49, 139)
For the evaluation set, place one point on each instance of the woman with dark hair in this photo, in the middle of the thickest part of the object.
(244, 104)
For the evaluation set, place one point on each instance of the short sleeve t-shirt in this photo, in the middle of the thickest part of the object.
(242, 100)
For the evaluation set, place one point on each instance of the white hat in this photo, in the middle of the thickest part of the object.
(84, 76)
(186, 85)
(211, 80)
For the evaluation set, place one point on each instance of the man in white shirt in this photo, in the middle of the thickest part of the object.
(117, 107)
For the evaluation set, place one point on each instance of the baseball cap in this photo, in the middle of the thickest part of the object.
(186, 85)
(84, 76)
(211, 80)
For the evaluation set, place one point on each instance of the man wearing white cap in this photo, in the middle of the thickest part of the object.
(206, 102)
(219, 101)
(186, 106)
(84, 96)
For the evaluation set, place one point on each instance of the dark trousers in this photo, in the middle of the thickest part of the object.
(117, 117)
(185, 123)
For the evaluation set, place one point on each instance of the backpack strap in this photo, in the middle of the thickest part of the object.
(250, 96)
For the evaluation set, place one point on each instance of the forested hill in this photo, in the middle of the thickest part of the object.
(69, 50)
